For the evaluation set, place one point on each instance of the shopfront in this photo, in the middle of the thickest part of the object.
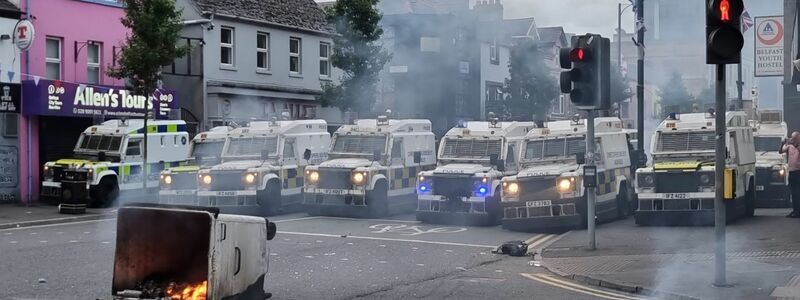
(63, 110)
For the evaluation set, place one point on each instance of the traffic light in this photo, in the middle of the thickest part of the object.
(724, 32)
(588, 79)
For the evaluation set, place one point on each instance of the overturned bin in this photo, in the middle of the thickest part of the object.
(185, 252)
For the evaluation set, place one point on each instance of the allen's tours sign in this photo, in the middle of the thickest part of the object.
(57, 98)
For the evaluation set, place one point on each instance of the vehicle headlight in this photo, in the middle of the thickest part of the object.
(90, 174)
(706, 179)
(205, 179)
(646, 180)
(511, 188)
(313, 176)
(778, 174)
(166, 179)
(359, 178)
(48, 172)
(566, 184)
(250, 178)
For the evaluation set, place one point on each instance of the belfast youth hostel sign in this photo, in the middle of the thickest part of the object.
(57, 98)
(769, 46)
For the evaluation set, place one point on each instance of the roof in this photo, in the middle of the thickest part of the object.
(8, 6)
(702, 121)
(484, 129)
(392, 125)
(216, 133)
(303, 14)
(568, 127)
(282, 127)
(520, 27)
(132, 126)
(552, 34)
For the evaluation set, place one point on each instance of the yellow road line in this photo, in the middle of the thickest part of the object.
(535, 237)
(552, 281)
(541, 241)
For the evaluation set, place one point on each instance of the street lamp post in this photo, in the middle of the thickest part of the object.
(620, 10)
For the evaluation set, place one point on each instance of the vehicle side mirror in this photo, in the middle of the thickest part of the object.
(307, 154)
(580, 158)
(101, 156)
(417, 157)
(272, 229)
(264, 154)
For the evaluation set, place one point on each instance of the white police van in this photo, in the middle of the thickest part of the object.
(178, 185)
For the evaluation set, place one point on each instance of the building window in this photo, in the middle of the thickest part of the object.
(262, 51)
(494, 54)
(226, 46)
(325, 59)
(93, 63)
(295, 55)
(53, 58)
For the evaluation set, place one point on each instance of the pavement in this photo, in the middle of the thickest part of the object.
(310, 258)
(14, 215)
(763, 259)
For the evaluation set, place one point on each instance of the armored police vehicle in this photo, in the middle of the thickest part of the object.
(262, 167)
(548, 193)
(108, 159)
(772, 173)
(179, 184)
(372, 169)
(677, 188)
(465, 186)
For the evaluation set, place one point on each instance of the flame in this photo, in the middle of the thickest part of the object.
(189, 292)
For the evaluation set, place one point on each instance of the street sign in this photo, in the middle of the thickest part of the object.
(769, 46)
(24, 34)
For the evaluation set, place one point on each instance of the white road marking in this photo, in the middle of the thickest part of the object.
(8, 233)
(371, 220)
(33, 233)
(73, 241)
(295, 219)
(56, 224)
(386, 239)
(553, 281)
(421, 265)
(42, 241)
(382, 261)
(13, 242)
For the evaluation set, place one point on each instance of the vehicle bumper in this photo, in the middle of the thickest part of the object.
(663, 209)
(340, 203)
(178, 197)
(562, 215)
(471, 211)
(773, 196)
(233, 202)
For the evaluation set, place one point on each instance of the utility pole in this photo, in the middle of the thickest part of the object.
(619, 36)
(591, 189)
(739, 86)
(640, 81)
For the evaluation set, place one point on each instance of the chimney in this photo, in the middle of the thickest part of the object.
(489, 10)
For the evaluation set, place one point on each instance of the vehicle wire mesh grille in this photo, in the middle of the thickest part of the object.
(763, 176)
(184, 181)
(57, 173)
(686, 141)
(226, 181)
(676, 182)
(539, 189)
(452, 186)
(471, 148)
(334, 179)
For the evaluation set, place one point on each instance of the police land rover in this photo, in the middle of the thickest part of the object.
(677, 188)
(465, 186)
(262, 167)
(109, 160)
(772, 180)
(179, 184)
(372, 169)
(548, 193)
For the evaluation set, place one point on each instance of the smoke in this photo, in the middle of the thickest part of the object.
(572, 14)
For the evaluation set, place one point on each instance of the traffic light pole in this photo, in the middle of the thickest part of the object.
(590, 191)
(640, 83)
(719, 175)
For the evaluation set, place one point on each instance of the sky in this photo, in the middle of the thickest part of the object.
(576, 16)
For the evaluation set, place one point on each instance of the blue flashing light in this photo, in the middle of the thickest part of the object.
(482, 191)
(423, 188)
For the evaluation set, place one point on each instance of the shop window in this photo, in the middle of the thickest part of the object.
(10, 125)
(93, 63)
(53, 58)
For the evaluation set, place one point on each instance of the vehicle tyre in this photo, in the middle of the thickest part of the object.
(269, 200)
(750, 201)
(105, 194)
(623, 202)
(493, 208)
(378, 200)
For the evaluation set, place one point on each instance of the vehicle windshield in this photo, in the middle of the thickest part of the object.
(359, 144)
(97, 143)
(685, 141)
(207, 151)
(471, 148)
(251, 147)
(552, 148)
(764, 143)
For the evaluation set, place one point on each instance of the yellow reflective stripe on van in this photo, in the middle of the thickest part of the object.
(678, 165)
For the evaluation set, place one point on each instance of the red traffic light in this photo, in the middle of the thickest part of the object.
(577, 54)
(724, 11)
